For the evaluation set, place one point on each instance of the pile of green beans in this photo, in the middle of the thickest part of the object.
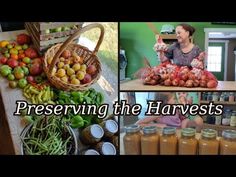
(48, 136)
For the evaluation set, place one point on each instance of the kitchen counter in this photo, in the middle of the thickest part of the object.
(137, 85)
(11, 126)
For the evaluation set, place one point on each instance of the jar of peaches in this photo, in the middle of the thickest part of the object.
(188, 142)
(150, 141)
(228, 142)
(208, 144)
(168, 141)
(132, 140)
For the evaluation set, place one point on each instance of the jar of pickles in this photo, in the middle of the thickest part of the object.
(208, 144)
(132, 140)
(187, 142)
(168, 141)
(228, 142)
(150, 141)
(226, 117)
(222, 97)
(215, 96)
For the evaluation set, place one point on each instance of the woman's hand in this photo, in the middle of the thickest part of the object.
(196, 63)
(160, 47)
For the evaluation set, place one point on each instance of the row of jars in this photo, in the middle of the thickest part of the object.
(219, 96)
(149, 142)
(228, 118)
(101, 138)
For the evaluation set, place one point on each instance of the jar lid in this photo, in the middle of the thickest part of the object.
(188, 132)
(91, 152)
(149, 129)
(111, 126)
(97, 131)
(169, 130)
(108, 149)
(132, 128)
(229, 134)
(209, 133)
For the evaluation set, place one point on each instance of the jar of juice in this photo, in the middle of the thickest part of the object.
(208, 144)
(188, 142)
(150, 141)
(168, 141)
(132, 140)
(228, 142)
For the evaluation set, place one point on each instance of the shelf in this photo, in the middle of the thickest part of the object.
(219, 102)
(168, 36)
(218, 126)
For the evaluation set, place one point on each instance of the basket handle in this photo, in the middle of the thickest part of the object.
(73, 37)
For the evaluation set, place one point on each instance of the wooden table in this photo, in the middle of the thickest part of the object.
(137, 85)
(10, 125)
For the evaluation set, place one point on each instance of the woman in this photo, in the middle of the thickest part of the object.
(178, 120)
(182, 52)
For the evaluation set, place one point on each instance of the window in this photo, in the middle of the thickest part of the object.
(214, 59)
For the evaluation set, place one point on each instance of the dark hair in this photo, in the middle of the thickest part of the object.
(188, 28)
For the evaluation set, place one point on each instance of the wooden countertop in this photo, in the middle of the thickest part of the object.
(137, 85)
(13, 125)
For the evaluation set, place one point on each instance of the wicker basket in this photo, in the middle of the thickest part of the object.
(90, 58)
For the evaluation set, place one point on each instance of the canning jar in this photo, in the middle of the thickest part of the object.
(233, 119)
(168, 141)
(228, 142)
(92, 134)
(150, 141)
(226, 117)
(132, 140)
(231, 97)
(215, 96)
(188, 142)
(106, 148)
(222, 97)
(218, 120)
(208, 144)
(91, 152)
(110, 127)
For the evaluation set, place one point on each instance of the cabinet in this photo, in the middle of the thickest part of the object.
(222, 98)
(170, 38)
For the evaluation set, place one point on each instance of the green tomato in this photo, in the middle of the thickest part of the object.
(12, 84)
(26, 70)
(9, 46)
(11, 77)
(5, 71)
(7, 55)
(25, 46)
(22, 83)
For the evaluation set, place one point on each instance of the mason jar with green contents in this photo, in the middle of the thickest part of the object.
(208, 144)
(188, 142)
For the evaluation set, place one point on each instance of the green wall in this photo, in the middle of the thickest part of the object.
(138, 40)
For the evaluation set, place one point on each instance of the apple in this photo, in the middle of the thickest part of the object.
(3, 60)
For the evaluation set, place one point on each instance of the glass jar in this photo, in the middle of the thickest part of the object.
(226, 117)
(110, 127)
(231, 97)
(132, 140)
(91, 152)
(228, 142)
(92, 134)
(215, 96)
(188, 142)
(218, 120)
(226, 96)
(106, 148)
(150, 141)
(208, 144)
(233, 119)
(168, 141)
(209, 96)
(222, 97)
